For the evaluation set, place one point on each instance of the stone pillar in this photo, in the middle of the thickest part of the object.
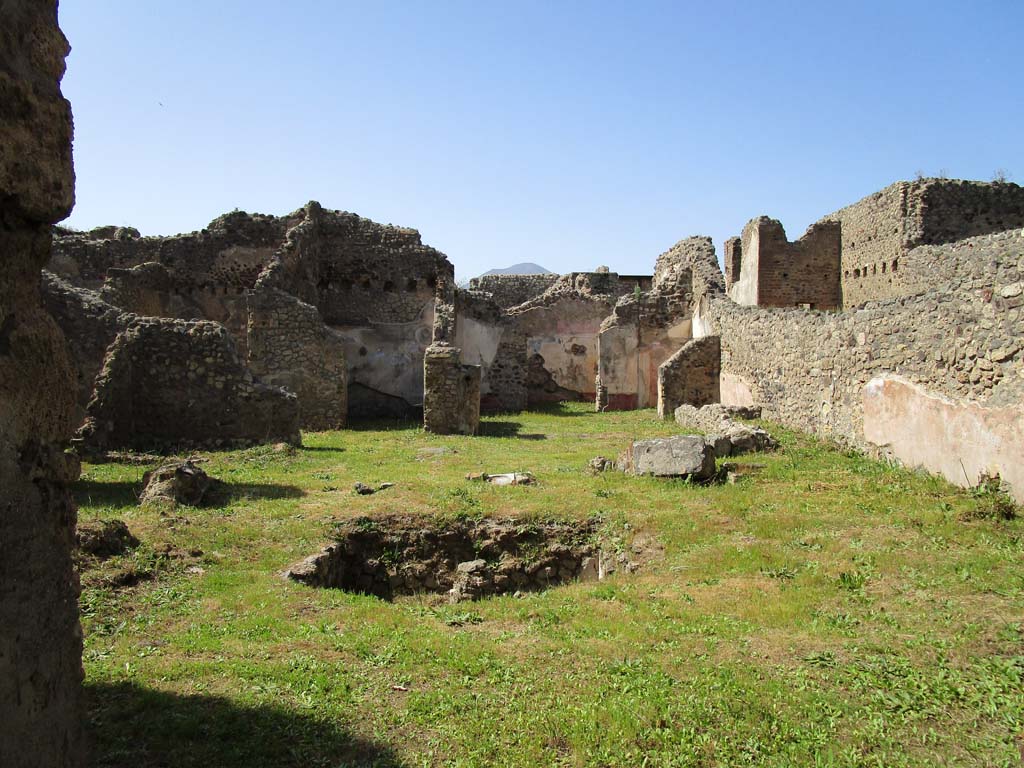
(451, 392)
(40, 637)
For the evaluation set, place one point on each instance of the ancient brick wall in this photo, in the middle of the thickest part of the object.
(960, 343)
(40, 637)
(879, 231)
(690, 376)
(512, 290)
(451, 392)
(167, 384)
(289, 346)
(765, 269)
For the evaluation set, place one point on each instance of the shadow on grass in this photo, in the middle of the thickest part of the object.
(499, 428)
(383, 424)
(137, 727)
(559, 409)
(322, 449)
(93, 493)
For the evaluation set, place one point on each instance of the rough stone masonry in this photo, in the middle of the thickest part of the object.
(40, 637)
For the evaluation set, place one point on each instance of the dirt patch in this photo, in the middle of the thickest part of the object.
(465, 559)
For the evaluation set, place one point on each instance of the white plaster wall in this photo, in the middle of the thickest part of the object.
(388, 357)
(960, 440)
(734, 391)
(570, 371)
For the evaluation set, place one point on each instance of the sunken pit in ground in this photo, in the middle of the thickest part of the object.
(465, 559)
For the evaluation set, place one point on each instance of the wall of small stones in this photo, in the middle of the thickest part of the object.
(879, 231)
(40, 637)
(289, 346)
(167, 384)
(451, 392)
(90, 326)
(691, 376)
(646, 328)
(512, 290)
(961, 341)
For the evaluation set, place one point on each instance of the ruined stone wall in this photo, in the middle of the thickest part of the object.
(232, 250)
(879, 231)
(375, 284)
(40, 637)
(512, 290)
(488, 337)
(451, 393)
(289, 346)
(690, 376)
(543, 350)
(167, 384)
(646, 328)
(765, 269)
(356, 271)
(864, 377)
(89, 324)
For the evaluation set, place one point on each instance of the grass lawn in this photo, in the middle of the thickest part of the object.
(829, 611)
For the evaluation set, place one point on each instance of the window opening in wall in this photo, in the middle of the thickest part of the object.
(365, 285)
(856, 273)
(883, 267)
(785, 275)
(410, 284)
(895, 263)
(874, 269)
(345, 285)
(389, 286)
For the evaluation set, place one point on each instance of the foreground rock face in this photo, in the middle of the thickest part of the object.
(679, 456)
(40, 638)
(465, 559)
(171, 383)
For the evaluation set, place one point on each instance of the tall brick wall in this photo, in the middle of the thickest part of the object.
(40, 637)
(765, 269)
(879, 231)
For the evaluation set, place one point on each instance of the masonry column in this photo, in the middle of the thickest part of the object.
(451, 392)
(40, 637)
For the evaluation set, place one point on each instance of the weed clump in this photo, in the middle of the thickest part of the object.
(991, 502)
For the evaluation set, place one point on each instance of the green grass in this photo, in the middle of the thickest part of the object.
(828, 611)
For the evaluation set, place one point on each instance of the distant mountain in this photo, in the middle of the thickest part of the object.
(526, 268)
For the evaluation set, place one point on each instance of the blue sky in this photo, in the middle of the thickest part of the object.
(571, 134)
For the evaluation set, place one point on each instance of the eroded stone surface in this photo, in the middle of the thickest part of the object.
(687, 456)
(179, 482)
(40, 637)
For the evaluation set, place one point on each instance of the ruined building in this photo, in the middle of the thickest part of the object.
(352, 318)
(921, 361)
